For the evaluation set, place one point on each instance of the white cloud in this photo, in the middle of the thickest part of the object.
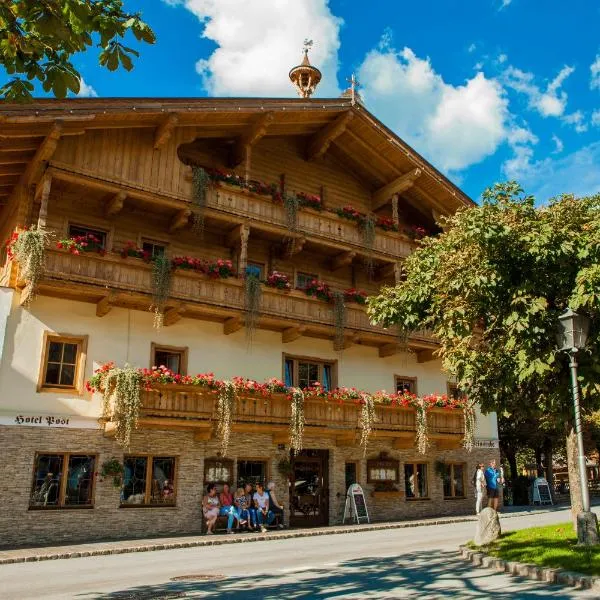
(576, 173)
(454, 126)
(521, 140)
(577, 120)
(549, 103)
(85, 90)
(559, 146)
(595, 73)
(504, 4)
(502, 58)
(596, 118)
(472, 48)
(258, 42)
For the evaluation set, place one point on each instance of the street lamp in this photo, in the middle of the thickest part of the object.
(571, 336)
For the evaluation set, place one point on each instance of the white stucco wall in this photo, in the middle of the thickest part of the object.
(6, 295)
(125, 336)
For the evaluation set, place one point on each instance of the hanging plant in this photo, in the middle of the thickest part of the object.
(339, 320)
(112, 468)
(161, 288)
(200, 183)
(252, 296)
(29, 249)
(366, 420)
(121, 400)
(470, 419)
(297, 419)
(367, 228)
(422, 433)
(225, 405)
(291, 204)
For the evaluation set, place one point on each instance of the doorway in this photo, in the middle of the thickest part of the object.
(309, 488)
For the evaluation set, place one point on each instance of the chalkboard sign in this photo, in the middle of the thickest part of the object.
(356, 507)
(541, 491)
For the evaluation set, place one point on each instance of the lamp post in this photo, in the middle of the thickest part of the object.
(571, 337)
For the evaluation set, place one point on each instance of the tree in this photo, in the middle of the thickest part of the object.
(491, 288)
(39, 37)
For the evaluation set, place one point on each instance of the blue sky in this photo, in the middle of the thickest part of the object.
(486, 89)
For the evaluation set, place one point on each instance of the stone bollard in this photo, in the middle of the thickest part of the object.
(488, 527)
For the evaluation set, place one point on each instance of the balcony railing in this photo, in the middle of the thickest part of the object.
(203, 296)
(185, 406)
(325, 225)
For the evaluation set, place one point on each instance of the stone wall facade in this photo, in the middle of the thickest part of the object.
(20, 525)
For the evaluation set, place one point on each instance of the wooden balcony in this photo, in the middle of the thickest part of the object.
(112, 281)
(192, 409)
(322, 227)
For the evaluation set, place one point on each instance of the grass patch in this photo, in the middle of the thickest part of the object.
(552, 546)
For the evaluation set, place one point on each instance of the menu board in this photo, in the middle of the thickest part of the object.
(356, 506)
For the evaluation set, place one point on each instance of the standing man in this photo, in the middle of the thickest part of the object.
(479, 487)
(492, 482)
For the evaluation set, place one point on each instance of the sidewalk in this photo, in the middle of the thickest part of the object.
(19, 555)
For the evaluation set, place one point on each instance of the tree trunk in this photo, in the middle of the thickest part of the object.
(538, 462)
(548, 459)
(574, 480)
(512, 463)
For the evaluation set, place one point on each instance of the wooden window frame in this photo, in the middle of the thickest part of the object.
(82, 343)
(383, 462)
(261, 459)
(321, 361)
(101, 229)
(414, 464)
(406, 378)
(156, 242)
(300, 271)
(262, 265)
(451, 465)
(183, 350)
(63, 481)
(450, 386)
(148, 485)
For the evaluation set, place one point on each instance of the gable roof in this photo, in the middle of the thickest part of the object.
(348, 131)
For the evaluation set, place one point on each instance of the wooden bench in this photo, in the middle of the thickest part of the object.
(221, 524)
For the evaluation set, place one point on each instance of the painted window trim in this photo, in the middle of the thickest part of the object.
(148, 485)
(321, 361)
(183, 350)
(410, 378)
(428, 494)
(82, 343)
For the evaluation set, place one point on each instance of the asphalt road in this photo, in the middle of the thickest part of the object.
(416, 562)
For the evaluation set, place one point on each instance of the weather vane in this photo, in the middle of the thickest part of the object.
(307, 44)
(354, 85)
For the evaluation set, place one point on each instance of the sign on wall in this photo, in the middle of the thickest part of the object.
(356, 506)
(48, 421)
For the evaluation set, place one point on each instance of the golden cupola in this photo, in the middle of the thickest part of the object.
(305, 77)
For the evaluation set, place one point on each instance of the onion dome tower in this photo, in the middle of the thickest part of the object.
(305, 77)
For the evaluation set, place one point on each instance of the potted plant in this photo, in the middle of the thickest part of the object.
(112, 468)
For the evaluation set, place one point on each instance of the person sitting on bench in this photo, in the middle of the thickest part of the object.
(274, 505)
(227, 508)
(253, 521)
(261, 501)
(210, 507)
(241, 506)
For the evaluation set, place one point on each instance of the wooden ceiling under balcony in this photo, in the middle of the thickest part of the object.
(355, 138)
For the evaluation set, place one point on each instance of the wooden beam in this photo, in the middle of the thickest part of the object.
(115, 205)
(203, 435)
(345, 440)
(105, 304)
(403, 443)
(26, 295)
(291, 334)
(180, 220)
(256, 130)
(349, 340)
(426, 356)
(281, 438)
(165, 129)
(15, 158)
(321, 141)
(42, 194)
(383, 195)
(234, 236)
(342, 260)
(28, 144)
(43, 154)
(173, 315)
(448, 444)
(385, 272)
(232, 325)
(389, 350)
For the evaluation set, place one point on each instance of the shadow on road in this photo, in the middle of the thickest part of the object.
(418, 574)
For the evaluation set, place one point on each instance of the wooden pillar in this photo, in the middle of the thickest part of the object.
(395, 214)
(244, 235)
(43, 190)
(398, 272)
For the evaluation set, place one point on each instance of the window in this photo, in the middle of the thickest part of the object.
(251, 471)
(218, 470)
(303, 279)
(172, 357)
(154, 249)
(454, 481)
(304, 372)
(62, 481)
(77, 231)
(454, 391)
(415, 480)
(255, 269)
(148, 481)
(384, 472)
(406, 384)
(351, 469)
(63, 363)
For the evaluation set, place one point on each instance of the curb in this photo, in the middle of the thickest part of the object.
(37, 554)
(546, 575)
